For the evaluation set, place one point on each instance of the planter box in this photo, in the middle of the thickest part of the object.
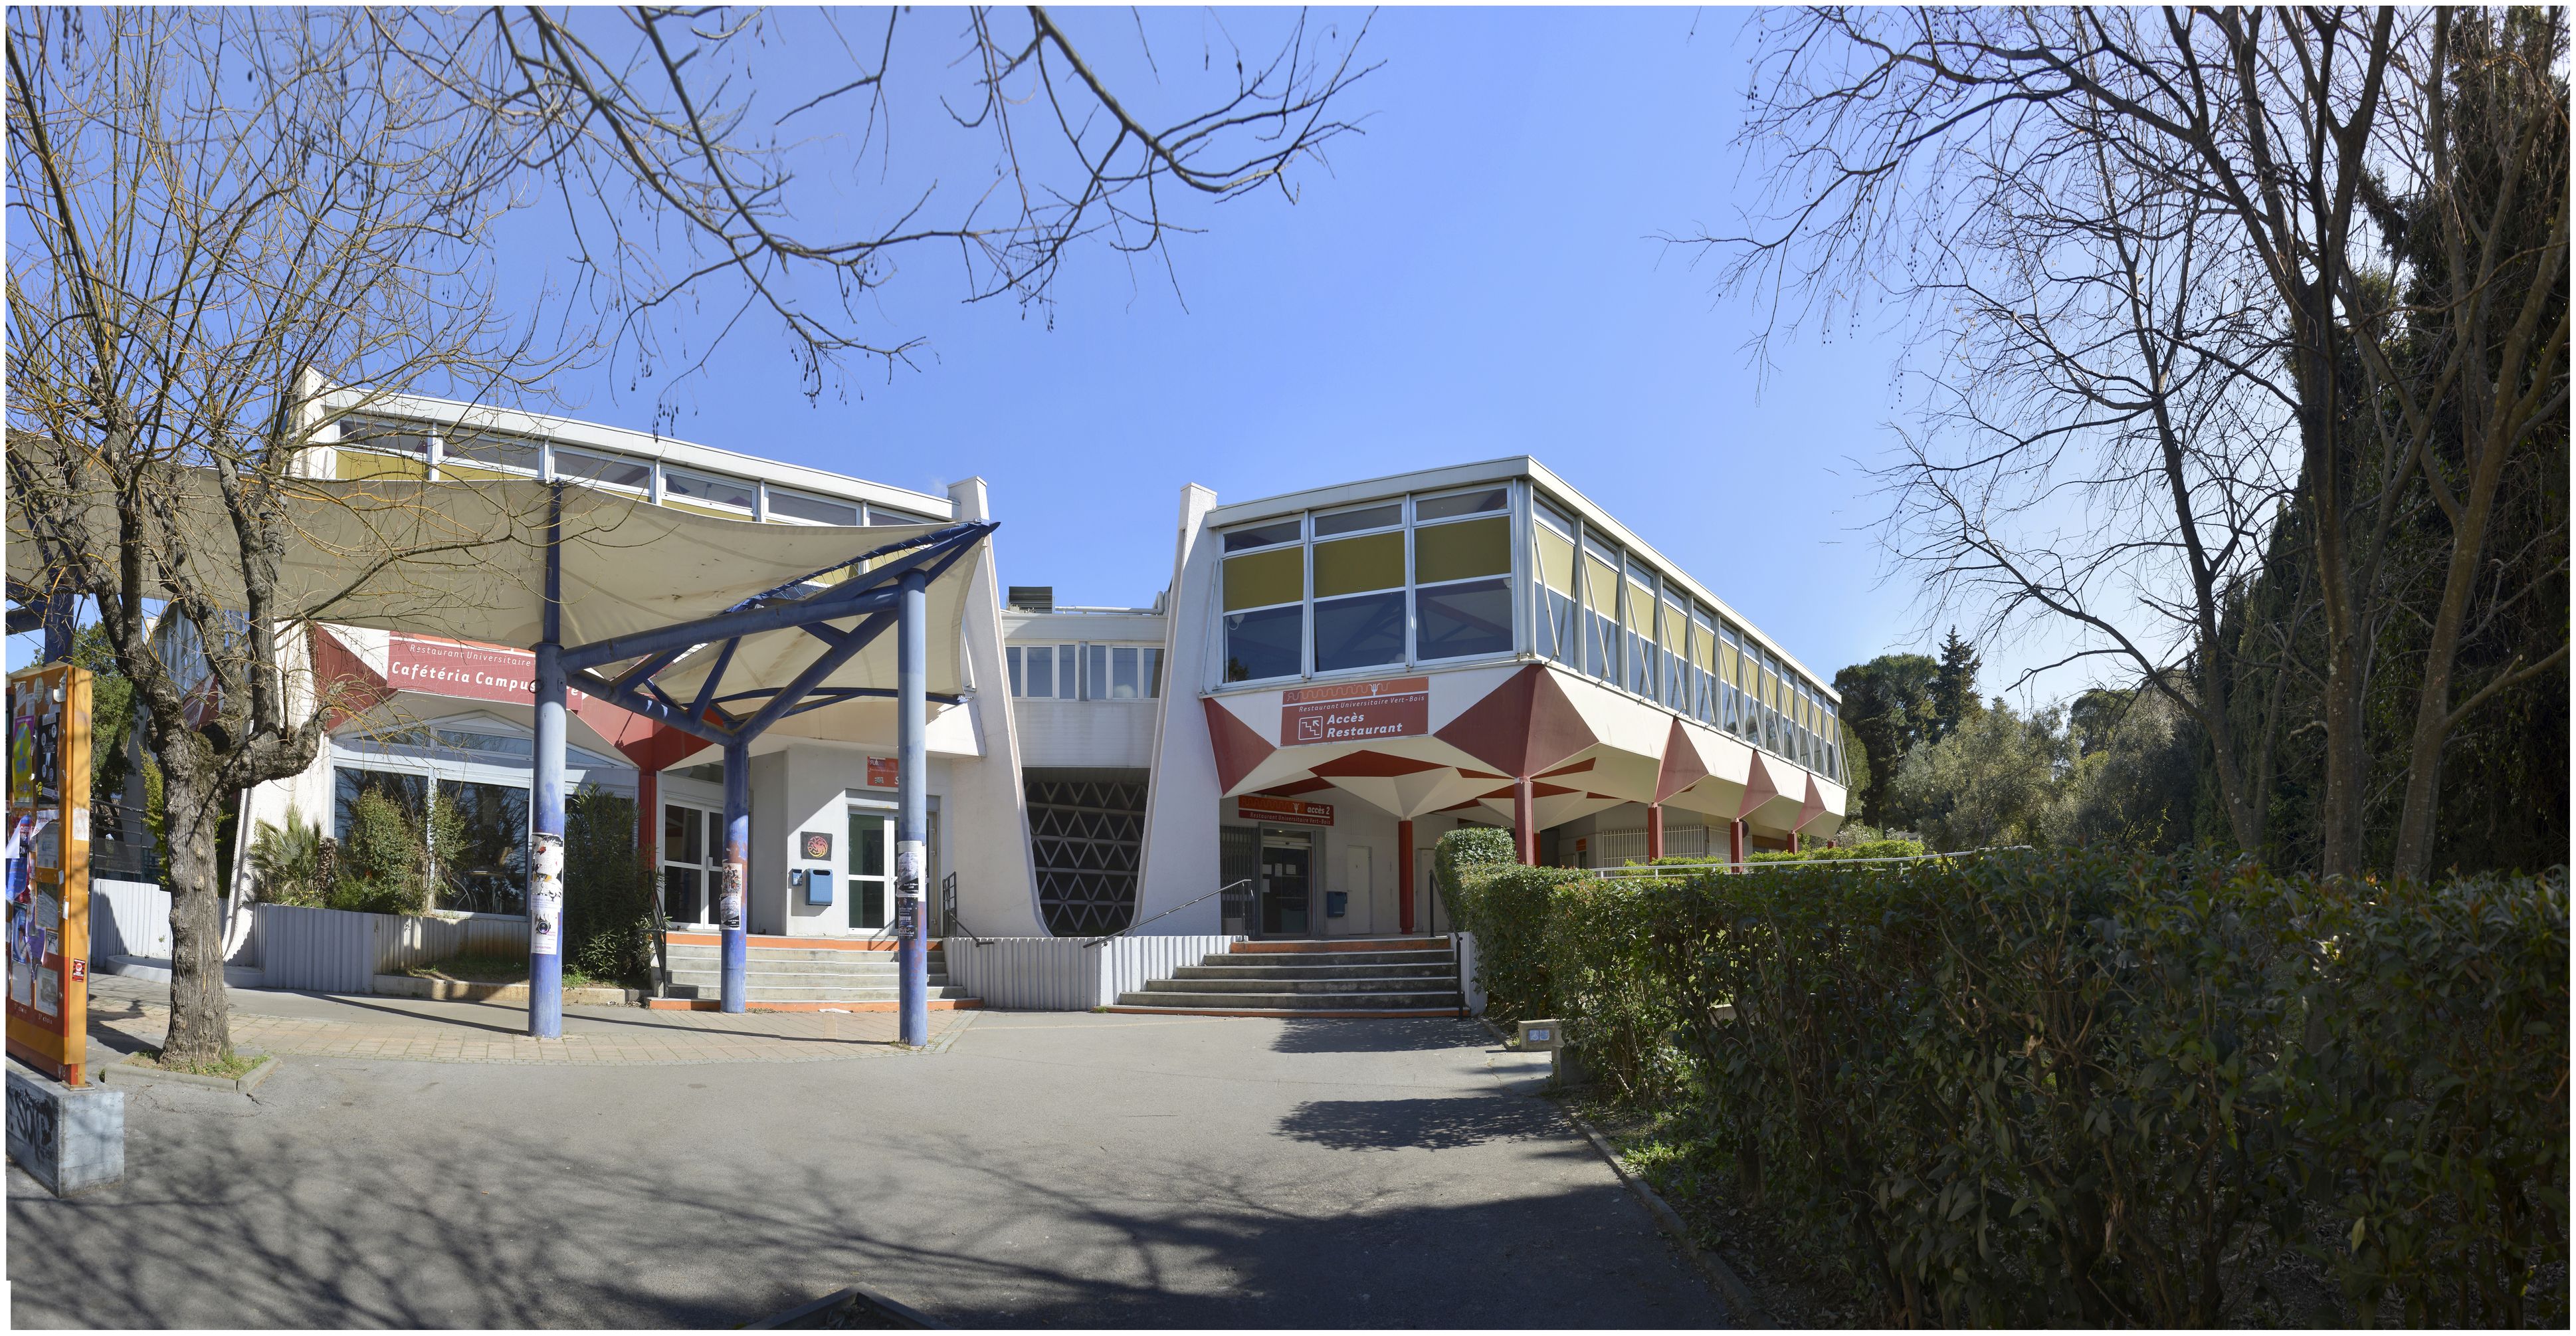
(1062, 974)
(458, 990)
(340, 951)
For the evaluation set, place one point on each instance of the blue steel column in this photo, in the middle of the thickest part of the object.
(737, 875)
(546, 811)
(912, 810)
(60, 615)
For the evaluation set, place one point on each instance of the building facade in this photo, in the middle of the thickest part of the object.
(1269, 746)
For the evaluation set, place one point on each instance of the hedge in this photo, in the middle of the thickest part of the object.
(2049, 1088)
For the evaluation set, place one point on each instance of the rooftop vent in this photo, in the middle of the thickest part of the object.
(1033, 598)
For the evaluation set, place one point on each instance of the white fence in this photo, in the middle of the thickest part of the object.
(1062, 974)
(1470, 985)
(128, 918)
(338, 951)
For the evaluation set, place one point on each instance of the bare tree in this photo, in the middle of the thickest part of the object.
(1912, 143)
(218, 216)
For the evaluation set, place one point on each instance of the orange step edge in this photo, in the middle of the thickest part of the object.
(1428, 1013)
(717, 1004)
(797, 943)
(1334, 948)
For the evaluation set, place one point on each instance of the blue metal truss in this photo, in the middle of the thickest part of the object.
(734, 718)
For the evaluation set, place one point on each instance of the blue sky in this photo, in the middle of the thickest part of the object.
(1474, 276)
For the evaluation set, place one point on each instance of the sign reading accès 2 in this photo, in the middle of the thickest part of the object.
(1294, 811)
(1395, 707)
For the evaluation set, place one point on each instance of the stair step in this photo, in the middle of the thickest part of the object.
(1377, 1001)
(710, 990)
(1338, 986)
(757, 979)
(1232, 970)
(1321, 960)
(1347, 944)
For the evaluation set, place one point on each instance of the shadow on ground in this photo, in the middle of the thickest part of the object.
(1430, 1124)
(1319, 1034)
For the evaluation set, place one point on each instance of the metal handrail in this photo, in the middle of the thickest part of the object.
(956, 921)
(1667, 869)
(1239, 881)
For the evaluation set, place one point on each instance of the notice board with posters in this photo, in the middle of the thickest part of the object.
(48, 870)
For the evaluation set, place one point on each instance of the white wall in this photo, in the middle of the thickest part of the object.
(1181, 859)
(1086, 732)
(985, 820)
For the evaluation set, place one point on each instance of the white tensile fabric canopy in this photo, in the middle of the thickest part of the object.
(467, 560)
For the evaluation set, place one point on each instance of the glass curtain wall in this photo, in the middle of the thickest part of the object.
(1265, 601)
(1462, 574)
(1560, 637)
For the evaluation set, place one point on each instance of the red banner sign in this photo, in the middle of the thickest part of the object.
(884, 772)
(1290, 810)
(457, 668)
(1396, 707)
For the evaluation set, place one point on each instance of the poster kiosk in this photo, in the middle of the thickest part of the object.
(63, 1129)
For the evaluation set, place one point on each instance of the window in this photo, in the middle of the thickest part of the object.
(880, 515)
(1265, 535)
(1559, 594)
(1359, 599)
(1041, 672)
(1483, 501)
(615, 470)
(1703, 670)
(1122, 672)
(698, 489)
(1265, 613)
(487, 452)
(1385, 516)
(810, 509)
(488, 870)
(1600, 610)
(1462, 577)
(400, 438)
(487, 742)
(1644, 656)
(1675, 633)
(689, 836)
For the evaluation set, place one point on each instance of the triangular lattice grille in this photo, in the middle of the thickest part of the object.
(1084, 838)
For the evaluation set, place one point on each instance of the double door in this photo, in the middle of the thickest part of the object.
(693, 867)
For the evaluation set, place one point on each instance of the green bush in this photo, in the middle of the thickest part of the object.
(288, 862)
(2086, 1087)
(608, 890)
(383, 865)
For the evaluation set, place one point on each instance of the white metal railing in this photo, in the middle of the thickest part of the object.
(1670, 869)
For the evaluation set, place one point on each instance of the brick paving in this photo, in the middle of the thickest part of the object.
(127, 1014)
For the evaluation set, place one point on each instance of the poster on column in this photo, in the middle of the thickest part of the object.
(545, 897)
(48, 870)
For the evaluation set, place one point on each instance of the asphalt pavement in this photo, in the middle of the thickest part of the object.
(1046, 1169)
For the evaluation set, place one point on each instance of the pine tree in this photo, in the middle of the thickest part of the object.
(1954, 685)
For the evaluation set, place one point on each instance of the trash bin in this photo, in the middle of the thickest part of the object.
(1336, 903)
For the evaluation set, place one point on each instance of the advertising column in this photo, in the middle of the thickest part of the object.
(48, 870)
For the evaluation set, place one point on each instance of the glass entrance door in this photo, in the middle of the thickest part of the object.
(692, 863)
(1287, 877)
(871, 863)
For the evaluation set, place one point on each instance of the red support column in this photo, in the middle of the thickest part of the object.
(1404, 875)
(1654, 831)
(1525, 820)
(648, 818)
(1735, 842)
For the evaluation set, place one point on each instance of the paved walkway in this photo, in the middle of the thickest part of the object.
(127, 1014)
(1048, 1169)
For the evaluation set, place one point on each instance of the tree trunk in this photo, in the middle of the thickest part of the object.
(200, 1022)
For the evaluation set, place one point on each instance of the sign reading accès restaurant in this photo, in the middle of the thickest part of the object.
(1395, 707)
(1291, 810)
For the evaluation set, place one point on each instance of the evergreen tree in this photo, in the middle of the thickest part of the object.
(1887, 709)
(1954, 685)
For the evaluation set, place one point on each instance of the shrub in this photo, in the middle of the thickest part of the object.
(2094, 1088)
(383, 864)
(608, 890)
(288, 862)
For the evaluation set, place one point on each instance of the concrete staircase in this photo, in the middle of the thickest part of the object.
(798, 974)
(1361, 976)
